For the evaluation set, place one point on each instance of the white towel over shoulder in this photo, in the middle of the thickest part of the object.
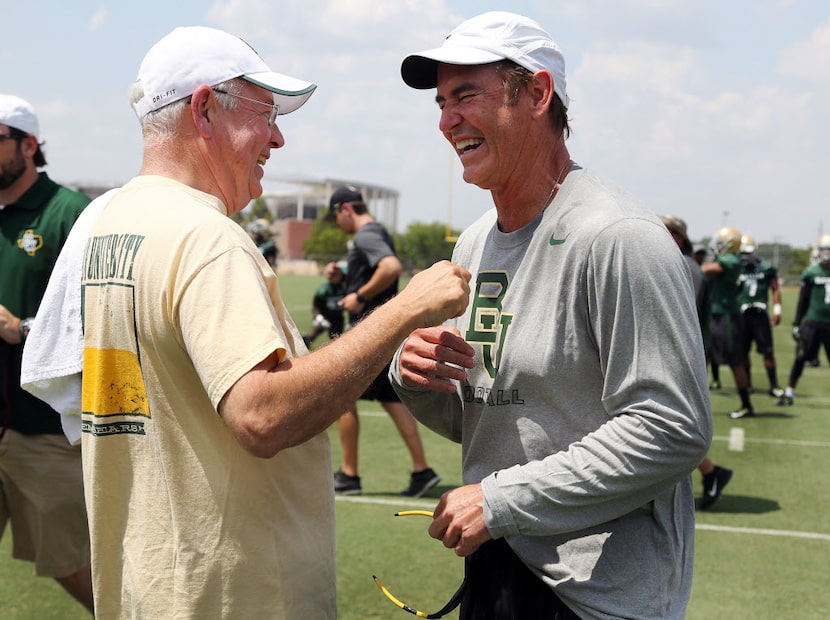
(53, 354)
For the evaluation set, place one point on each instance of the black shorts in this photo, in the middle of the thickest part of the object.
(726, 340)
(757, 328)
(381, 389)
(812, 336)
(499, 586)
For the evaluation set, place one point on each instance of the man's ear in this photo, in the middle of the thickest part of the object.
(541, 92)
(203, 110)
(28, 146)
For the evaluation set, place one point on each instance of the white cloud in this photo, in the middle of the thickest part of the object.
(648, 117)
(57, 109)
(96, 21)
(250, 19)
(809, 59)
(696, 107)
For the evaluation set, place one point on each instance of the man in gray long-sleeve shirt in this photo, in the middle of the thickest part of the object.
(580, 422)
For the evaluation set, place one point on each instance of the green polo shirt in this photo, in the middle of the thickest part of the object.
(32, 233)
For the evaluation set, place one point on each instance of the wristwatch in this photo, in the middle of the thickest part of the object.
(25, 328)
(360, 298)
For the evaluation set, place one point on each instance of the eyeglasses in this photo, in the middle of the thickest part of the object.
(275, 109)
(454, 601)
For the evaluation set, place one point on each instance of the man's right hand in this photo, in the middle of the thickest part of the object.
(431, 357)
(437, 294)
(458, 520)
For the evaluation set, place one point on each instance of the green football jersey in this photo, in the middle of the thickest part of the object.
(817, 277)
(725, 286)
(755, 279)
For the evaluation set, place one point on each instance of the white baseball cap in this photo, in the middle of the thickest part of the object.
(191, 56)
(17, 113)
(490, 37)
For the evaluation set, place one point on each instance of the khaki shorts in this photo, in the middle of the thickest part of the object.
(42, 495)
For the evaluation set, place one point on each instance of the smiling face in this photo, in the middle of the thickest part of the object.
(488, 134)
(246, 142)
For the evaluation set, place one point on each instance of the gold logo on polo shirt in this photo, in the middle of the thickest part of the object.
(30, 242)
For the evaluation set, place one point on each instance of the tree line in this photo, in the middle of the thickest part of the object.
(422, 244)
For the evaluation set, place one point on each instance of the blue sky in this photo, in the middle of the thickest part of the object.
(713, 111)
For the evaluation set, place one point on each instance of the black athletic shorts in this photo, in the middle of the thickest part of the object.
(381, 389)
(726, 340)
(757, 328)
(813, 336)
(499, 586)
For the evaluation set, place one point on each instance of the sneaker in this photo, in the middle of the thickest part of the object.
(715, 385)
(346, 485)
(713, 485)
(776, 392)
(785, 401)
(420, 482)
(746, 412)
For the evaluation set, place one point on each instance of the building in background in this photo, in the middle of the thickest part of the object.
(295, 203)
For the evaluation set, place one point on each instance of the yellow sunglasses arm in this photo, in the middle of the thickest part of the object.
(410, 513)
(397, 602)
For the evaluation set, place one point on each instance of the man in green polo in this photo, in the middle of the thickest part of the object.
(41, 482)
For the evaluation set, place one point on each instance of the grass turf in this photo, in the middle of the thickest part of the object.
(761, 551)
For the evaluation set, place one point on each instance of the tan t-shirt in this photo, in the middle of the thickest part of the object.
(178, 304)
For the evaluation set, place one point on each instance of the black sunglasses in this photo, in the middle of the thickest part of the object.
(14, 134)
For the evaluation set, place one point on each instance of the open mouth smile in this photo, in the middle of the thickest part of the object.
(468, 145)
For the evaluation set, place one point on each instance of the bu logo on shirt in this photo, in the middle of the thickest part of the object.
(488, 324)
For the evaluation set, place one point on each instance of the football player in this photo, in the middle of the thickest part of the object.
(725, 325)
(758, 278)
(811, 327)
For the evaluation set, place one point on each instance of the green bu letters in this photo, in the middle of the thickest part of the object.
(488, 324)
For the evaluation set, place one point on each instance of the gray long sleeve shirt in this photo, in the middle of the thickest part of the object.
(588, 407)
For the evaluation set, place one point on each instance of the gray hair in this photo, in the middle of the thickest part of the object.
(160, 125)
(516, 78)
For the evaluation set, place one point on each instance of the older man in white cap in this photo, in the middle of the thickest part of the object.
(41, 485)
(579, 423)
(206, 457)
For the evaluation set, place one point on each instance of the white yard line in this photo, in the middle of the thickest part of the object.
(778, 442)
(737, 438)
(762, 531)
(404, 503)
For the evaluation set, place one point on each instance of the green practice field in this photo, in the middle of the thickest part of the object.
(761, 552)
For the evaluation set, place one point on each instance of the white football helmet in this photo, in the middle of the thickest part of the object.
(824, 249)
(748, 244)
(258, 227)
(727, 240)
